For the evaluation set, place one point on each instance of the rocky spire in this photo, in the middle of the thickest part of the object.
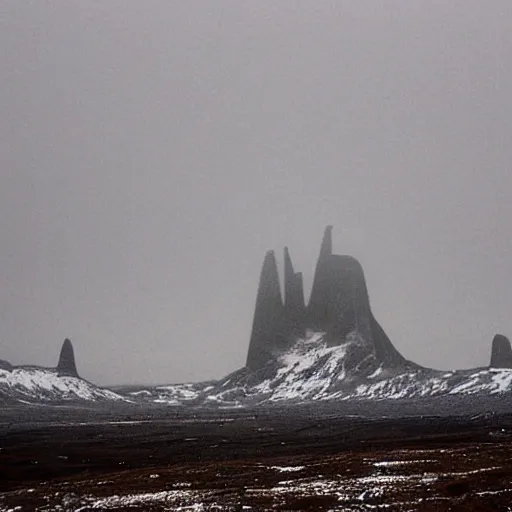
(339, 304)
(501, 352)
(268, 331)
(300, 293)
(66, 365)
(319, 292)
(289, 279)
(295, 310)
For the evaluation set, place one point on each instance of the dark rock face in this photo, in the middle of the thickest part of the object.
(268, 328)
(318, 300)
(66, 365)
(384, 349)
(295, 310)
(346, 304)
(501, 352)
(338, 305)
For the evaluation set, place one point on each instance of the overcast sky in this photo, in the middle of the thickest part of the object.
(152, 151)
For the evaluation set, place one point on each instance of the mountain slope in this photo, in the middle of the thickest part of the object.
(311, 370)
(30, 384)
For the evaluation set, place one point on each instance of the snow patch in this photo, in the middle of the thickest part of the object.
(32, 384)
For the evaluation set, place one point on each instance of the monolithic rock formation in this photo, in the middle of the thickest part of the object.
(66, 365)
(338, 305)
(268, 326)
(501, 352)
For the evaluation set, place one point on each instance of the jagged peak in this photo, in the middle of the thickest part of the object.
(326, 247)
(338, 305)
(288, 266)
(267, 329)
(269, 278)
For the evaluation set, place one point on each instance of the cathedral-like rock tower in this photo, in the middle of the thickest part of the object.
(66, 364)
(338, 305)
(501, 352)
(269, 322)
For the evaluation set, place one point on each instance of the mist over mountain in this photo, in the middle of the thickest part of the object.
(333, 348)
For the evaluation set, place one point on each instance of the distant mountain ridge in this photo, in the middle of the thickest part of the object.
(338, 305)
(332, 348)
(38, 385)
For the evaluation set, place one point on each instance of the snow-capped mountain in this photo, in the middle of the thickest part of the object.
(311, 370)
(333, 348)
(29, 384)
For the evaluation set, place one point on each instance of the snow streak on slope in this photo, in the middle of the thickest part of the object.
(424, 383)
(35, 385)
(311, 370)
(172, 394)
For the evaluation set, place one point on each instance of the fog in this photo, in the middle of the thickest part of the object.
(151, 152)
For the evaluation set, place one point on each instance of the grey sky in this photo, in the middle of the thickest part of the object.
(151, 152)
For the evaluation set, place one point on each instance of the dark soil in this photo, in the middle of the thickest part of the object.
(267, 459)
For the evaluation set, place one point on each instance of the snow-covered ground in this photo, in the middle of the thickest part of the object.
(409, 480)
(311, 370)
(172, 394)
(36, 385)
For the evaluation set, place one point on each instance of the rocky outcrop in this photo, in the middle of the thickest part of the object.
(295, 309)
(318, 300)
(66, 364)
(268, 328)
(338, 305)
(501, 352)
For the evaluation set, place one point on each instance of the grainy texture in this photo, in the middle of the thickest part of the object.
(265, 459)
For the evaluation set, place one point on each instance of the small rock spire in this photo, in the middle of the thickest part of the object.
(66, 364)
(501, 352)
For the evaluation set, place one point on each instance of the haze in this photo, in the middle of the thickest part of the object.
(151, 152)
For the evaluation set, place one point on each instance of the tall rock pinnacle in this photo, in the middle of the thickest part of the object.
(501, 352)
(289, 278)
(66, 365)
(339, 305)
(317, 307)
(268, 328)
(295, 310)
